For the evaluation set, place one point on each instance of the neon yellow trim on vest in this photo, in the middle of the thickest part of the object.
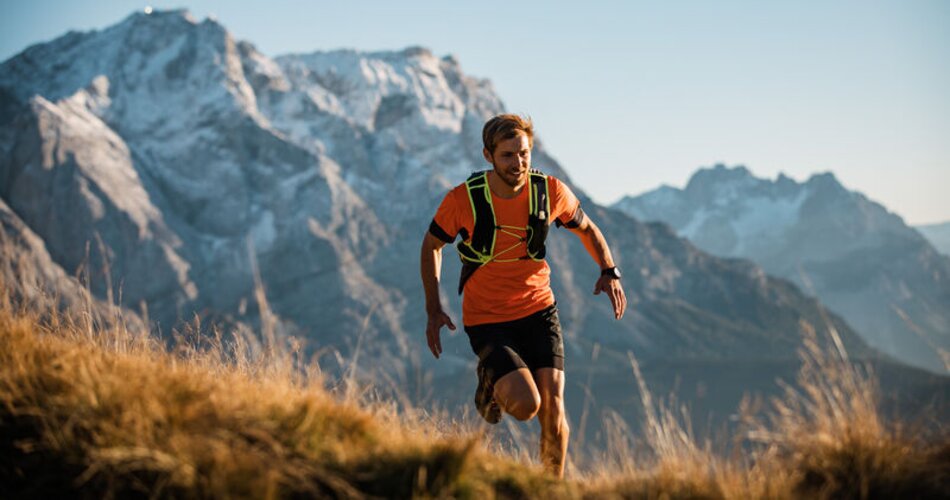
(481, 258)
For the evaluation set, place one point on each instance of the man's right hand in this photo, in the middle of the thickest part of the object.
(433, 336)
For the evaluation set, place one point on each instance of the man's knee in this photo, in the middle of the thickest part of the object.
(518, 395)
(525, 407)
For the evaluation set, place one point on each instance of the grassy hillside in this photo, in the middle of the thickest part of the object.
(93, 410)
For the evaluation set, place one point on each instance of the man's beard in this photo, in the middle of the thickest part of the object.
(511, 180)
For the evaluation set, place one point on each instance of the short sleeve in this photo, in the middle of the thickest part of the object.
(565, 207)
(447, 221)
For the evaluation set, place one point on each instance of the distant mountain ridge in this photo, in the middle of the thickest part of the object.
(861, 260)
(174, 162)
(938, 235)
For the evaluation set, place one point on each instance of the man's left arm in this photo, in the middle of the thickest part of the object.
(596, 246)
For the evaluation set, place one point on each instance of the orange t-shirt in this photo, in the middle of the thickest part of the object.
(505, 291)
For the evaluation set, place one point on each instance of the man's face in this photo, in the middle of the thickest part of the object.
(511, 159)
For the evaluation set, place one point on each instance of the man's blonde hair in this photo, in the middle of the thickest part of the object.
(504, 127)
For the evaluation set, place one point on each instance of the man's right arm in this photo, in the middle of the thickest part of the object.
(431, 269)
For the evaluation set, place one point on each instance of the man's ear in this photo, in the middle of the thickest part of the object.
(486, 154)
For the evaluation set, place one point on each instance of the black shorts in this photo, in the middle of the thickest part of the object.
(531, 342)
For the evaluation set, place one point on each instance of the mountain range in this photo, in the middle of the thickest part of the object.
(864, 262)
(183, 170)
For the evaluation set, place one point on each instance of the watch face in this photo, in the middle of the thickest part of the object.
(613, 272)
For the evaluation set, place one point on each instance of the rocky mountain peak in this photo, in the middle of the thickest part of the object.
(717, 174)
(850, 251)
(827, 183)
(159, 67)
(171, 19)
(374, 89)
(719, 183)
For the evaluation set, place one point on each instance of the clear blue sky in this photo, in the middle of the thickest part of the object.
(631, 95)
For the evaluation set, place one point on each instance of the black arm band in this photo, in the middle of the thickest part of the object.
(440, 233)
(575, 222)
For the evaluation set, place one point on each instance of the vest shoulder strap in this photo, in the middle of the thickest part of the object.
(483, 232)
(539, 212)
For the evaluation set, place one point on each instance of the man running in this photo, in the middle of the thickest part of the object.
(508, 308)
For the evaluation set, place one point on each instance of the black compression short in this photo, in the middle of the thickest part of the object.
(531, 342)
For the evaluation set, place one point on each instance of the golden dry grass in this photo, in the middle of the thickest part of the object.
(112, 414)
(89, 408)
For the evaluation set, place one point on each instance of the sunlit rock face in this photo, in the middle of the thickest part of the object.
(862, 261)
(176, 164)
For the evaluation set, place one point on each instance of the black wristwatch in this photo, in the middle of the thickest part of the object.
(612, 272)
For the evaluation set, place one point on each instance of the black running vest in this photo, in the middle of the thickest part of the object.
(480, 250)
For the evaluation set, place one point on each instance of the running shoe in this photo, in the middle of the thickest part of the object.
(484, 401)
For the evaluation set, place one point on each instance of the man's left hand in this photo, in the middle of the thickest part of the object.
(611, 286)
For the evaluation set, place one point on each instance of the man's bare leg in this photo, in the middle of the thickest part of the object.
(517, 394)
(553, 418)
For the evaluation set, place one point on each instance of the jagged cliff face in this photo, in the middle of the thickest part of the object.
(864, 262)
(146, 140)
(185, 160)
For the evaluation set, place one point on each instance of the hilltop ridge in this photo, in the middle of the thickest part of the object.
(90, 410)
